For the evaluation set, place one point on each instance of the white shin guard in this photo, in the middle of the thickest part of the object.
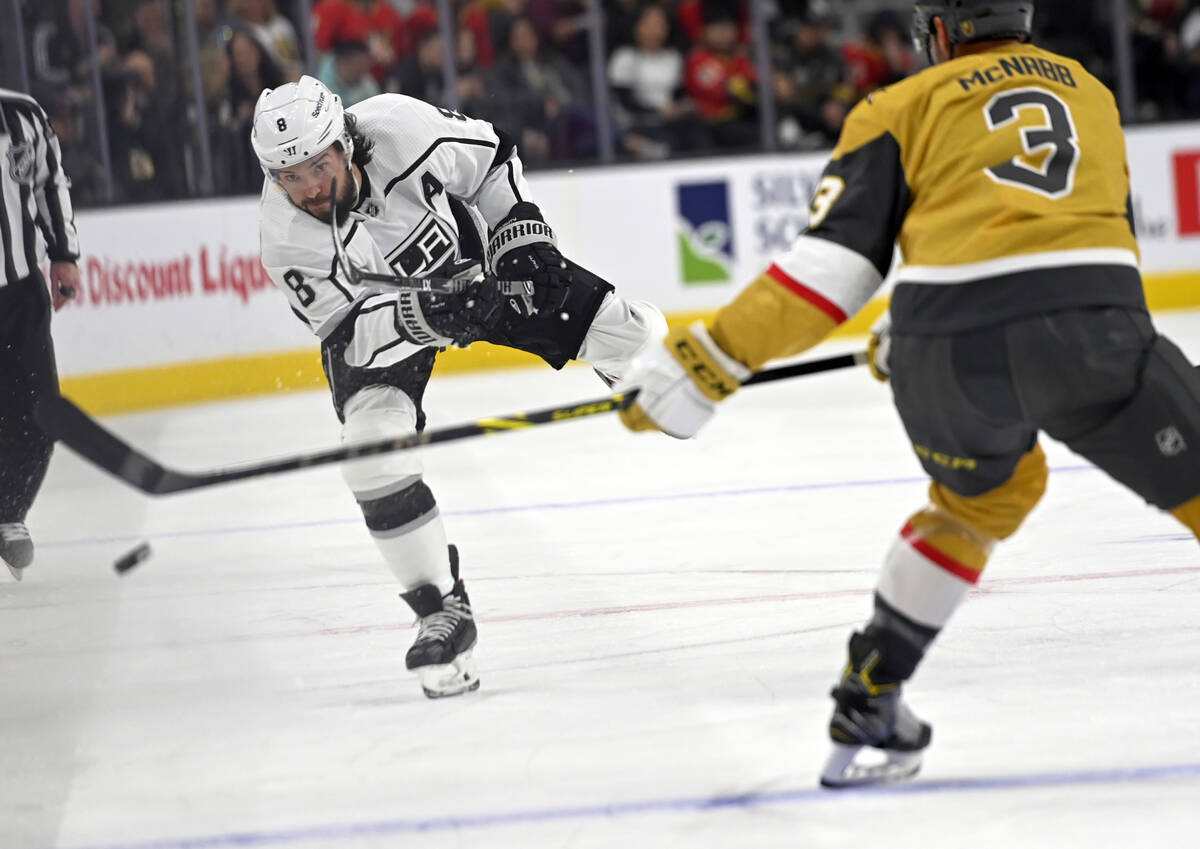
(400, 512)
(920, 588)
(417, 556)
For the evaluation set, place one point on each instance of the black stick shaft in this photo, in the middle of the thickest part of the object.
(858, 358)
(62, 420)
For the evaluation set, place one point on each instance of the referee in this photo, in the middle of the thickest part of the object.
(35, 218)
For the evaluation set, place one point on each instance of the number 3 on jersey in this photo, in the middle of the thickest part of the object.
(1056, 138)
(826, 195)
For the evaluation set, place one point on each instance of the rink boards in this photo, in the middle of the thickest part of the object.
(177, 308)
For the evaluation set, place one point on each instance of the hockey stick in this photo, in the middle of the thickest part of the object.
(393, 282)
(62, 420)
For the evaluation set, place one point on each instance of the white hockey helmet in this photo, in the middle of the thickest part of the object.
(296, 122)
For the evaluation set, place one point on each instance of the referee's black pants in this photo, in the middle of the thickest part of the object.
(27, 371)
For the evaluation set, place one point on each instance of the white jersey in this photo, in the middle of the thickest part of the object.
(435, 178)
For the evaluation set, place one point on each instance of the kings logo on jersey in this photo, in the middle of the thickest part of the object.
(705, 233)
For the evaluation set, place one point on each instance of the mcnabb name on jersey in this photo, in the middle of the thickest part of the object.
(1019, 66)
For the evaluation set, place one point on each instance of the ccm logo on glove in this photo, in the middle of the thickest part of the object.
(711, 379)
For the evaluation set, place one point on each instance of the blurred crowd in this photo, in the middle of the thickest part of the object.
(680, 76)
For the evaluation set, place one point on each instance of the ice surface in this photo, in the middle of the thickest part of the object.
(660, 623)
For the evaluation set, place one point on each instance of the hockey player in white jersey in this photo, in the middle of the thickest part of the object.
(422, 191)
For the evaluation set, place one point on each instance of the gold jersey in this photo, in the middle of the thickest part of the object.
(1005, 153)
(1002, 177)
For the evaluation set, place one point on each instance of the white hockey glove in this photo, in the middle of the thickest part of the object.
(879, 348)
(680, 383)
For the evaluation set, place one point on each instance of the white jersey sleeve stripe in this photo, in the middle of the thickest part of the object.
(511, 167)
(841, 278)
(951, 274)
(502, 189)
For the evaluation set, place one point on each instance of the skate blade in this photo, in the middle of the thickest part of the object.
(16, 573)
(844, 769)
(450, 679)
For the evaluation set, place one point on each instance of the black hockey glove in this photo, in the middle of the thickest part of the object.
(522, 247)
(436, 319)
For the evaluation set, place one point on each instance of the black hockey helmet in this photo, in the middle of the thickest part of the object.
(972, 20)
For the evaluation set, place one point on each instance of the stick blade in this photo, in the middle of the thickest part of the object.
(60, 419)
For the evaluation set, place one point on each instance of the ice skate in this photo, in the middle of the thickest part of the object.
(16, 547)
(876, 738)
(442, 652)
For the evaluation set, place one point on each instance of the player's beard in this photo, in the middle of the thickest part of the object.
(347, 195)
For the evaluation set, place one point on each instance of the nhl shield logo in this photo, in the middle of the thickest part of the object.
(1170, 441)
(21, 163)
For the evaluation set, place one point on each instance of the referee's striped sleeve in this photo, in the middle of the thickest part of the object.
(53, 193)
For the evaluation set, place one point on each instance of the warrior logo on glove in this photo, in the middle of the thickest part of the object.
(523, 247)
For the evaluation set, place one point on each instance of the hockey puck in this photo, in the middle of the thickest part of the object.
(132, 558)
(67, 292)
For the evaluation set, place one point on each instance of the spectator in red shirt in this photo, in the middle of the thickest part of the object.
(336, 20)
(473, 15)
(498, 17)
(693, 14)
(376, 23)
(884, 57)
(720, 79)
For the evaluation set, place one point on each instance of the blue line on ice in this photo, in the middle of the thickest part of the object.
(519, 508)
(798, 796)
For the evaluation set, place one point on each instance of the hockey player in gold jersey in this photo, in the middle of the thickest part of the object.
(1001, 174)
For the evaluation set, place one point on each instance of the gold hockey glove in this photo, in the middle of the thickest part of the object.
(879, 348)
(680, 383)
